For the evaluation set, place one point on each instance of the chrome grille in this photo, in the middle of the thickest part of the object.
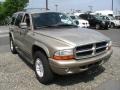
(90, 50)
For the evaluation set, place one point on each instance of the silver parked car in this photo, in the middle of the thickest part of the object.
(53, 43)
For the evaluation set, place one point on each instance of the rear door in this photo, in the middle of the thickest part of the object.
(17, 30)
(12, 27)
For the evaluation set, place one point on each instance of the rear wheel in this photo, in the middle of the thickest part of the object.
(106, 28)
(97, 26)
(12, 47)
(112, 25)
(42, 68)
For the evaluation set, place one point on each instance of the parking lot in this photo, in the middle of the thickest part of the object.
(17, 74)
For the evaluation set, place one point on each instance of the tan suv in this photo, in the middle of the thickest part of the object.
(53, 43)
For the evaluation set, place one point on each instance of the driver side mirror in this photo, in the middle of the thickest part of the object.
(23, 25)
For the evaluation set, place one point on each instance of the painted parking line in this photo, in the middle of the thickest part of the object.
(6, 31)
(116, 44)
(5, 35)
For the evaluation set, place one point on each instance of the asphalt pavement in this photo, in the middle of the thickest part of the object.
(4, 39)
(17, 74)
(114, 34)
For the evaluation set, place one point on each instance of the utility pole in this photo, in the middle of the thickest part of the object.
(116, 11)
(47, 5)
(112, 5)
(56, 6)
(91, 8)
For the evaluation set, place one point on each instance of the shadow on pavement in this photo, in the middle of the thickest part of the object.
(78, 78)
(67, 80)
(26, 62)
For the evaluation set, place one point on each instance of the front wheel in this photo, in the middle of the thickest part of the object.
(112, 25)
(12, 47)
(42, 68)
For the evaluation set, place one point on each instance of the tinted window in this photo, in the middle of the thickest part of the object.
(13, 19)
(50, 19)
(26, 19)
(18, 19)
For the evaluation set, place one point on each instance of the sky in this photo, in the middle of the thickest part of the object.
(65, 5)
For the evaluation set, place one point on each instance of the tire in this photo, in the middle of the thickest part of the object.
(12, 47)
(42, 68)
(106, 28)
(97, 26)
(112, 25)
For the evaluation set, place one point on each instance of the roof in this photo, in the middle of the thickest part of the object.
(37, 10)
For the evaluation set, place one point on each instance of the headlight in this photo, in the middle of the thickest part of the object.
(64, 55)
(103, 22)
(109, 45)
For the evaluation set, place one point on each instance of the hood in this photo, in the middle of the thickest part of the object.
(73, 36)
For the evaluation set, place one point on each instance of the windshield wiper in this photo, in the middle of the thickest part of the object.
(56, 25)
(46, 26)
(64, 24)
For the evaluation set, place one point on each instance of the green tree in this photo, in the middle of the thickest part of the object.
(12, 6)
(8, 7)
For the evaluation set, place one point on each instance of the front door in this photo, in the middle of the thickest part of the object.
(25, 35)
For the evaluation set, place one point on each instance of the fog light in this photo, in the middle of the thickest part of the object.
(68, 70)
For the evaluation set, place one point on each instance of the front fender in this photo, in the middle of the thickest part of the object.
(44, 47)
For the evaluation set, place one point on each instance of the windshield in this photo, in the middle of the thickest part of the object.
(50, 19)
(98, 17)
(111, 18)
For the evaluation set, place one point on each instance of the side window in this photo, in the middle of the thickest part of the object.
(26, 19)
(18, 19)
(107, 18)
(13, 19)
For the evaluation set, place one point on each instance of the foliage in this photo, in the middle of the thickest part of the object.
(9, 7)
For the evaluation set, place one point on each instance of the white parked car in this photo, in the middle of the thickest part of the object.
(113, 22)
(82, 23)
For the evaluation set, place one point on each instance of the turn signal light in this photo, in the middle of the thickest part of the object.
(63, 57)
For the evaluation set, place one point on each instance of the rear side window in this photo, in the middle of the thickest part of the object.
(18, 19)
(13, 19)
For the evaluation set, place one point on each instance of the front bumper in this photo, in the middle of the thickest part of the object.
(76, 66)
(84, 25)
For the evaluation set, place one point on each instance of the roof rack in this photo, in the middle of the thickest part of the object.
(35, 9)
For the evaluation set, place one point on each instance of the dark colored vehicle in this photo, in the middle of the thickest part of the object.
(95, 21)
